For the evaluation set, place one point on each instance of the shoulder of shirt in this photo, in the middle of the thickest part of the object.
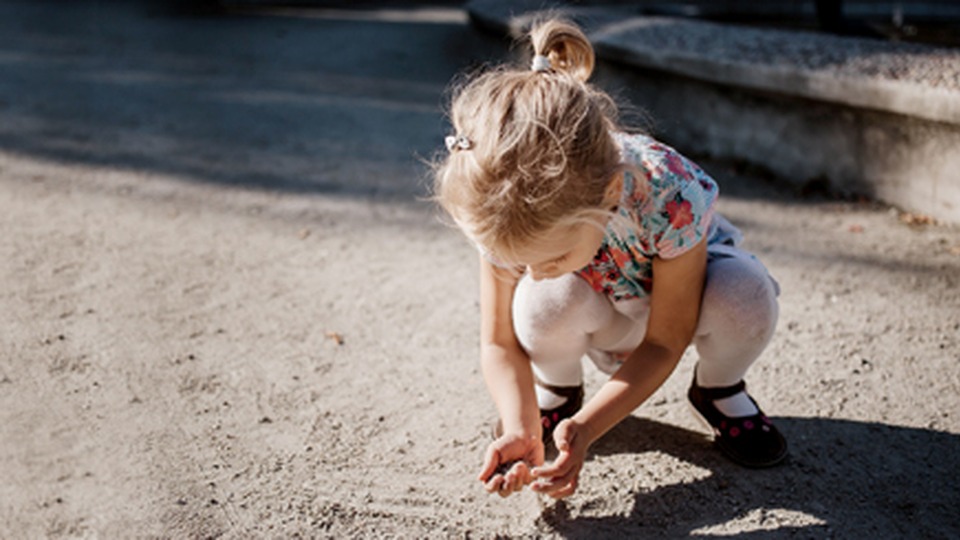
(649, 155)
(644, 151)
(634, 142)
(654, 157)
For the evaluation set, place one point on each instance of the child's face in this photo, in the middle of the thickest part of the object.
(570, 249)
(566, 250)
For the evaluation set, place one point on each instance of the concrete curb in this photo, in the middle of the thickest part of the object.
(882, 81)
(864, 116)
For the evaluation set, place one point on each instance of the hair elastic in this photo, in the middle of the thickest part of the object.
(458, 142)
(540, 63)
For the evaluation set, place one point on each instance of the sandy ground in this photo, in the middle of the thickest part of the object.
(202, 336)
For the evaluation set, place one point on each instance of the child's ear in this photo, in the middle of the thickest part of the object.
(611, 196)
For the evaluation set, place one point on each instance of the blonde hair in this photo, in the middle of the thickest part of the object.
(534, 149)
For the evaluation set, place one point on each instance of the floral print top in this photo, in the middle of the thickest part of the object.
(672, 208)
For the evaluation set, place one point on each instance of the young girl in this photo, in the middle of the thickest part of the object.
(595, 243)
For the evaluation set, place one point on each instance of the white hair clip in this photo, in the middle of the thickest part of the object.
(540, 63)
(458, 142)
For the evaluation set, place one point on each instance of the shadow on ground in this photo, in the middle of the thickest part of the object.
(908, 472)
(295, 103)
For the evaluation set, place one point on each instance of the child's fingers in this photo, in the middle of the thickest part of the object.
(511, 483)
(559, 479)
(519, 475)
(558, 487)
(565, 491)
(495, 484)
(558, 467)
(523, 473)
(491, 460)
(552, 484)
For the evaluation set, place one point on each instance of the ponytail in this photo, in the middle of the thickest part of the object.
(565, 45)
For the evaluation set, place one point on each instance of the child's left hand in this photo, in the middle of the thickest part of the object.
(506, 465)
(559, 478)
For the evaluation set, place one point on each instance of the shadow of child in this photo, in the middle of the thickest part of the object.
(844, 479)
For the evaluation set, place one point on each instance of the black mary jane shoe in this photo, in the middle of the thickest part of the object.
(751, 441)
(549, 418)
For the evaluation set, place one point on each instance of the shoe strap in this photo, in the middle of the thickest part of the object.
(714, 394)
(569, 392)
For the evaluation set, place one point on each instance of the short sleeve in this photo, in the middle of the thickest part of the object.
(677, 215)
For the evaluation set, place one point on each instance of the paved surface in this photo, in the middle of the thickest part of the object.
(226, 311)
(905, 78)
(866, 116)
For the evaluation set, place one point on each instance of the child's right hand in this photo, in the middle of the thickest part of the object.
(508, 461)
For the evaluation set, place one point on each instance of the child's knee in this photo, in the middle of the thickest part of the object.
(741, 296)
(542, 309)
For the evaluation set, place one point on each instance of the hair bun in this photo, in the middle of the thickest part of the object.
(565, 45)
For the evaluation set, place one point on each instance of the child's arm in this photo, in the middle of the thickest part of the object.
(674, 311)
(509, 379)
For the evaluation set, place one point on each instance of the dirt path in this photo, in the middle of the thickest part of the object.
(185, 358)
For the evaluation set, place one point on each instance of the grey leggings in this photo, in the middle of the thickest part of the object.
(560, 321)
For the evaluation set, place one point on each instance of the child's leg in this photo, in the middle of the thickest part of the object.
(554, 321)
(737, 319)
